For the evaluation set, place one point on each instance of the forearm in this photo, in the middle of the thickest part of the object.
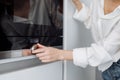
(66, 55)
(78, 4)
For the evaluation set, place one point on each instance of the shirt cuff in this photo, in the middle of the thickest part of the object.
(80, 57)
(81, 15)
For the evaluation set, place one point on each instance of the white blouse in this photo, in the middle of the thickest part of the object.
(106, 33)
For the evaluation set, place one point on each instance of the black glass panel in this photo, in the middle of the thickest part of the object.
(24, 23)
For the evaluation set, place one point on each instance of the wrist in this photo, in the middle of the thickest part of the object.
(61, 55)
(65, 55)
(76, 2)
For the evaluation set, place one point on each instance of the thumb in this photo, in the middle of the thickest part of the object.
(40, 45)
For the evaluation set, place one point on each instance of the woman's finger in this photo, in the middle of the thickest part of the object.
(45, 58)
(47, 61)
(40, 50)
(40, 45)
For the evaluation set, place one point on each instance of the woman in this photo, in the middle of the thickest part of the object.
(104, 22)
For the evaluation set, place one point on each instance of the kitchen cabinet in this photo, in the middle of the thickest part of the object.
(31, 69)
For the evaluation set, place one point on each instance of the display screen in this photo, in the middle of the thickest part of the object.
(23, 23)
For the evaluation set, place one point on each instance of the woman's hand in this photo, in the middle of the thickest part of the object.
(77, 4)
(47, 54)
(50, 54)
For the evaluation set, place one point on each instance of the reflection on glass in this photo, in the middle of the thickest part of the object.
(24, 23)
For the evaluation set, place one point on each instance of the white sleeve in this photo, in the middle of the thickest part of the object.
(83, 14)
(99, 53)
